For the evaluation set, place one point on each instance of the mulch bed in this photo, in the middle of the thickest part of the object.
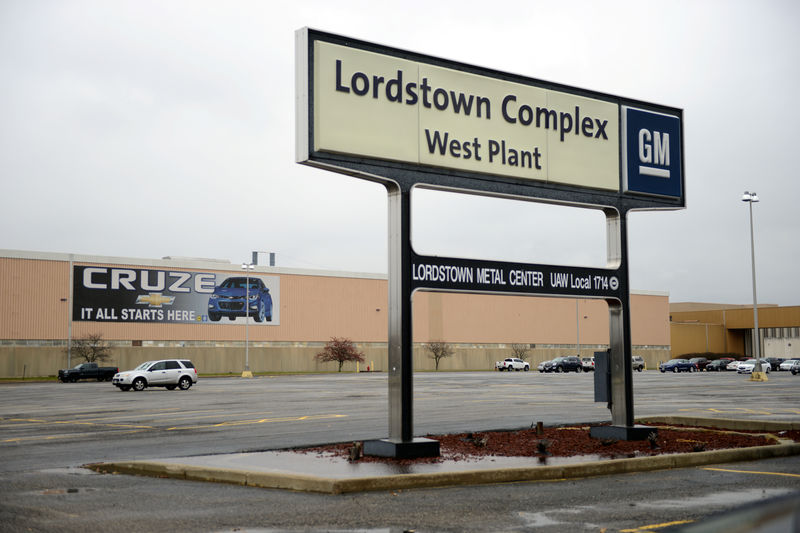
(568, 441)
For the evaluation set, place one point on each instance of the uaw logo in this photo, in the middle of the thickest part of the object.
(652, 161)
(154, 299)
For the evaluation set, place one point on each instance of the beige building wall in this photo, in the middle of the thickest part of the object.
(314, 306)
(717, 328)
(690, 338)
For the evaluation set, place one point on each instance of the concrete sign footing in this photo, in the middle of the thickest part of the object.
(413, 449)
(636, 432)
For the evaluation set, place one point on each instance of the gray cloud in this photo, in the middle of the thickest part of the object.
(146, 129)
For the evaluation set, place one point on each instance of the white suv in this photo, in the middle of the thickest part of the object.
(169, 373)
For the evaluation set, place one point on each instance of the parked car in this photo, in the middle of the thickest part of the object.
(638, 363)
(700, 362)
(733, 365)
(718, 365)
(787, 364)
(570, 363)
(588, 364)
(775, 362)
(229, 297)
(512, 363)
(169, 373)
(87, 371)
(543, 366)
(678, 365)
(795, 367)
(746, 367)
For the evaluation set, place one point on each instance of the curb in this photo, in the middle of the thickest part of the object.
(721, 423)
(308, 483)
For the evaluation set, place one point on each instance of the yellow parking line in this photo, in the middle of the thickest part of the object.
(152, 414)
(651, 527)
(17, 422)
(258, 421)
(136, 428)
(740, 410)
(74, 423)
(91, 416)
(752, 472)
(63, 436)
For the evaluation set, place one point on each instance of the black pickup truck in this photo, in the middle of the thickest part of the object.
(87, 371)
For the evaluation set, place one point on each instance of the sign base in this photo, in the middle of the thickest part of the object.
(413, 449)
(759, 376)
(247, 374)
(636, 432)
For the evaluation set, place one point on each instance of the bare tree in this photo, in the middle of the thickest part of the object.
(438, 351)
(92, 348)
(340, 350)
(520, 351)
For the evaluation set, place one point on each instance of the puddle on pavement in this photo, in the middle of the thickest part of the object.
(71, 470)
(326, 530)
(325, 465)
(712, 501)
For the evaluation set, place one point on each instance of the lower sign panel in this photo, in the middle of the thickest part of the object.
(491, 276)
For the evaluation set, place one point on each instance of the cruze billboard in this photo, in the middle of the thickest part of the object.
(115, 294)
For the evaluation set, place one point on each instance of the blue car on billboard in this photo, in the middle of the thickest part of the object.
(229, 300)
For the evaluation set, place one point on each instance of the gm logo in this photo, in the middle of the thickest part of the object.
(651, 153)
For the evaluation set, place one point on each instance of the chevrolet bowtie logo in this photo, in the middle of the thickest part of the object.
(155, 299)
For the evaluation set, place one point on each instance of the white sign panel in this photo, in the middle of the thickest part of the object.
(384, 107)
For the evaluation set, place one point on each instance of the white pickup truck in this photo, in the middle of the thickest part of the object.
(512, 363)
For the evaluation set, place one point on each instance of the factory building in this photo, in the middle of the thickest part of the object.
(185, 307)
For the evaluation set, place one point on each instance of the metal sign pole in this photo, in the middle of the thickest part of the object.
(401, 413)
(619, 317)
(401, 442)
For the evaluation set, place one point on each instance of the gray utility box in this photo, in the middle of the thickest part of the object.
(602, 376)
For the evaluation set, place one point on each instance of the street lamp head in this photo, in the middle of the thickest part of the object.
(749, 197)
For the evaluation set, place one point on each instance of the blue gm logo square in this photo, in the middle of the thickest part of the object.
(652, 162)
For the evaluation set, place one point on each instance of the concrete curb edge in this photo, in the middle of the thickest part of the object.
(307, 483)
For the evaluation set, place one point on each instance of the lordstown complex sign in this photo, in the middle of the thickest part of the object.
(390, 106)
(408, 120)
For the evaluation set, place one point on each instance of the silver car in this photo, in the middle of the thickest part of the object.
(168, 373)
(746, 367)
(733, 365)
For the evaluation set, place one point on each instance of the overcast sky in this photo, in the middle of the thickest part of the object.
(166, 128)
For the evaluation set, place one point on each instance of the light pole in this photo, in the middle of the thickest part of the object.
(578, 323)
(751, 198)
(247, 267)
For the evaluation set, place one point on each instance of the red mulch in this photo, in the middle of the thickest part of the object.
(570, 441)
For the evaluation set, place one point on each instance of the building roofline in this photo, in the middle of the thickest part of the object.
(180, 262)
(200, 263)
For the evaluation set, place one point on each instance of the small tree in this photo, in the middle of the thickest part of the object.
(340, 350)
(91, 348)
(438, 351)
(520, 351)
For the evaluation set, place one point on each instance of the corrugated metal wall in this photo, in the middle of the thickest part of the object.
(33, 299)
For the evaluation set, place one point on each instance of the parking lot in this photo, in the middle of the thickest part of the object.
(47, 430)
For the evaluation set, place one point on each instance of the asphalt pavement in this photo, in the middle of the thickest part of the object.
(50, 429)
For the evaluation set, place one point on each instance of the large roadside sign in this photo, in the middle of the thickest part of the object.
(408, 120)
(473, 127)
